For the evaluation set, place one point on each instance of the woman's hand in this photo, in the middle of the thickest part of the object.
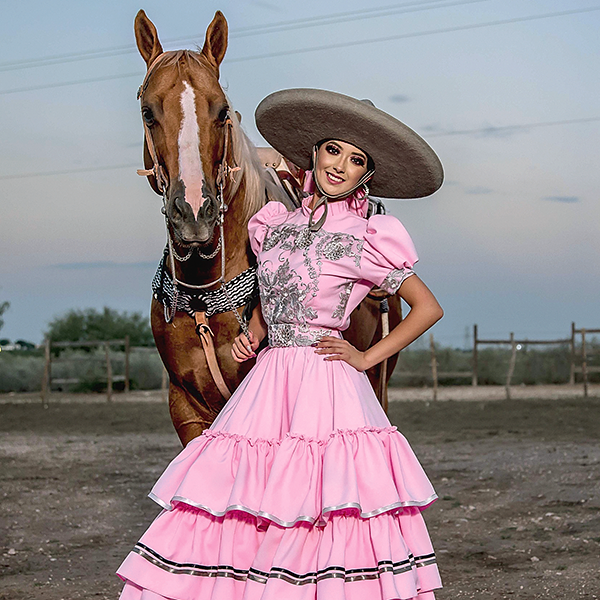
(338, 349)
(424, 312)
(244, 347)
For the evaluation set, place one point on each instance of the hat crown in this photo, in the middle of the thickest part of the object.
(292, 121)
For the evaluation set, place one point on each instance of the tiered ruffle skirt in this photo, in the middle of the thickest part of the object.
(300, 490)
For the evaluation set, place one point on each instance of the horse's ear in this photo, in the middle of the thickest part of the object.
(239, 116)
(215, 44)
(146, 37)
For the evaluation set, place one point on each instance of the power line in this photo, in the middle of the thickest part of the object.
(47, 86)
(492, 129)
(69, 171)
(331, 46)
(429, 135)
(277, 27)
(417, 34)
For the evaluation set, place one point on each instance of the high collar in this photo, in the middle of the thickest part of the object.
(357, 204)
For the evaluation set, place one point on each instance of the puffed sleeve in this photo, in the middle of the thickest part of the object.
(258, 224)
(388, 253)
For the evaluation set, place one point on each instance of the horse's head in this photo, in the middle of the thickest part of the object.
(187, 120)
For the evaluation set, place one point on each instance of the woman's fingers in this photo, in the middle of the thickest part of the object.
(339, 349)
(241, 348)
(331, 345)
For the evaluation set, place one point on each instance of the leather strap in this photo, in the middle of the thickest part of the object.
(206, 337)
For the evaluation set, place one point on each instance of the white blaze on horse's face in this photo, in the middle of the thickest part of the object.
(190, 162)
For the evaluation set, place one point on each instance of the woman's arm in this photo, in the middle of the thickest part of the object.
(245, 347)
(424, 312)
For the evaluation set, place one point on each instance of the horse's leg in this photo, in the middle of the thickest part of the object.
(182, 355)
(194, 399)
(190, 417)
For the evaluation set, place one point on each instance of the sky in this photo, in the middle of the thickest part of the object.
(506, 92)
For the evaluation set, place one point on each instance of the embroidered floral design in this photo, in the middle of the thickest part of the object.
(285, 334)
(394, 280)
(340, 309)
(334, 250)
(283, 293)
(304, 239)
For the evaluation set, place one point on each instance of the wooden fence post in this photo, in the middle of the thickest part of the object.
(511, 364)
(584, 370)
(572, 373)
(109, 381)
(434, 373)
(127, 348)
(475, 357)
(46, 375)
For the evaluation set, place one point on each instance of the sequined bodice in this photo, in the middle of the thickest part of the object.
(310, 282)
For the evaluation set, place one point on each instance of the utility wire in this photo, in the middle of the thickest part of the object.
(69, 171)
(429, 135)
(491, 129)
(330, 46)
(330, 19)
(417, 34)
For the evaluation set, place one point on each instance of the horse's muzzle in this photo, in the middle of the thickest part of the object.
(188, 228)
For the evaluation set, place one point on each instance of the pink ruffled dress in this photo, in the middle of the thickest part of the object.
(301, 489)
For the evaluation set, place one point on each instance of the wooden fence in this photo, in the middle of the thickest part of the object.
(582, 357)
(515, 344)
(111, 378)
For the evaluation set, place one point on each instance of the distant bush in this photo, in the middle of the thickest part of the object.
(534, 365)
(20, 371)
(108, 324)
(23, 371)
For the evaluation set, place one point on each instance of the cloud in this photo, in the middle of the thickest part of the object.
(563, 199)
(478, 189)
(399, 98)
(266, 5)
(500, 132)
(103, 265)
(432, 128)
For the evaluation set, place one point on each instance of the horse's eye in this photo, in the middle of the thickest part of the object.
(224, 114)
(147, 116)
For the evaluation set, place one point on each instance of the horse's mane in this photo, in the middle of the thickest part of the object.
(259, 187)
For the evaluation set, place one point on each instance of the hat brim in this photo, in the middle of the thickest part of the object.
(292, 121)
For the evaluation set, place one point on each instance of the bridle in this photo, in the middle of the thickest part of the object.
(224, 173)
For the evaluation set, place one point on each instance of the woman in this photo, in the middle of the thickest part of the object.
(301, 489)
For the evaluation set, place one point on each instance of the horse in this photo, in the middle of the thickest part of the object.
(212, 181)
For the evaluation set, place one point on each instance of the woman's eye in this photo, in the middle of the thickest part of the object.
(358, 161)
(331, 149)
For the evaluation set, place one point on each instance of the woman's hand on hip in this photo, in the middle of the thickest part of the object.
(334, 348)
(244, 347)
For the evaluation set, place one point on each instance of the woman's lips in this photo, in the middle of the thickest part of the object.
(333, 179)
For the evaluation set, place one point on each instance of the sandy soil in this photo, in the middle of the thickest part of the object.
(518, 481)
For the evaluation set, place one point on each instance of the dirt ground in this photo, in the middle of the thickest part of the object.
(518, 482)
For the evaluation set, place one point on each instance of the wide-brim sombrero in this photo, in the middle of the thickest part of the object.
(294, 120)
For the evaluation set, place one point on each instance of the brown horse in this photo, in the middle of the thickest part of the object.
(211, 179)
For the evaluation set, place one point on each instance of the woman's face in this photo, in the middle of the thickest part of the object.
(339, 167)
